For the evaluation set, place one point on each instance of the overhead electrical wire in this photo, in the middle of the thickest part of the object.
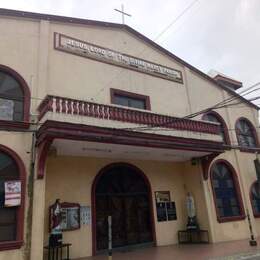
(222, 104)
(216, 106)
(154, 39)
(175, 20)
(238, 96)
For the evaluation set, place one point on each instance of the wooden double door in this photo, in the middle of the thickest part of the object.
(123, 194)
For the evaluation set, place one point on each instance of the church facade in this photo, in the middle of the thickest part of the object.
(99, 116)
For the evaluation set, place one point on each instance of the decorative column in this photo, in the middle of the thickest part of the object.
(38, 219)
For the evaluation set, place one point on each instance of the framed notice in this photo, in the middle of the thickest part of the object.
(70, 214)
(6, 109)
(171, 210)
(85, 215)
(161, 212)
(12, 193)
(165, 208)
(162, 196)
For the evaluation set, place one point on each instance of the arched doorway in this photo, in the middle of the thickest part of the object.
(122, 191)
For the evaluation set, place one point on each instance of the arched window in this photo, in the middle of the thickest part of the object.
(14, 96)
(246, 134)
(12, 172)
(226, 192)
(255, 198)
(215, 117)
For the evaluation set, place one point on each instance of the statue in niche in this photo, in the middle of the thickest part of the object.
(55, 225)
(191, 211)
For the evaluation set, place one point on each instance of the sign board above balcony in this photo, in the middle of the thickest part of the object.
(92, 51)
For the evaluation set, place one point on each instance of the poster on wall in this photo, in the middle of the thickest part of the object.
(85, 215)
(162, 196)
(165, 208)
(161, 212)
(171, 210)
(12, 193)
(6, 109)
(70, 214)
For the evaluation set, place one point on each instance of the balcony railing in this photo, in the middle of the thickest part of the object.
(89, 109)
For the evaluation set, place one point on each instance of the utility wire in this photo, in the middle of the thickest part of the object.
(14, 97)
(154, 39)
(175, 20)
(241, 94)
(219, 105)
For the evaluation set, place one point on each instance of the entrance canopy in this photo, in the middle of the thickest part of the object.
(118, 151)
(83, 140)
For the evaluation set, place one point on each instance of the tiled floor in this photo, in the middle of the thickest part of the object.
(186, 252)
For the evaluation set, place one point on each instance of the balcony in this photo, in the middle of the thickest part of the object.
(68, 110)
(81, 128)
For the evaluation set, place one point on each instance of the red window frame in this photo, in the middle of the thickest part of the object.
(26, 101)
(256, 215)
(146, 99)
(222, 122)
(237, 189)
(246, 148)
(8, 245)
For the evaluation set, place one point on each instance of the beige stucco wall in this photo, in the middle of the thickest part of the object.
(243, 164)
(48, 71)
(75, 176)
(21, 144)
(230, 230)
(27, 47)
(19, 49)
(246, 168)
(192, 176)
(71, 178)
(93, 80)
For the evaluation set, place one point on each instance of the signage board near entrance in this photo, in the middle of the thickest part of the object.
(171, 210)
(85, 215)
(95, 52)
(161, 211)
(162, 196)
(166, 209)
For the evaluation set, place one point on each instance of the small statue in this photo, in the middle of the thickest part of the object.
(56, 219)
(191, 210)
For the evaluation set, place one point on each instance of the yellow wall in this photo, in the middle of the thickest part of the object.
(92, 80)
(233, 230)
(21, 144)
(27, 47)
(71, 178)
(75, 176)
(193, 183)
(48, 71)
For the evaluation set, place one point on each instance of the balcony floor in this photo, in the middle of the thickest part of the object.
(235, 250)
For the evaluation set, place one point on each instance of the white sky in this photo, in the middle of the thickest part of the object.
(223, 35)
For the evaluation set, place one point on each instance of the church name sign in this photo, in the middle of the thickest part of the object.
(92, 51)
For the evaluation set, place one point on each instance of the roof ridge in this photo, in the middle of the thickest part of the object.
(44, 16)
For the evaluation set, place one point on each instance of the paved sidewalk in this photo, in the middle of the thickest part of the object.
(237, 250)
